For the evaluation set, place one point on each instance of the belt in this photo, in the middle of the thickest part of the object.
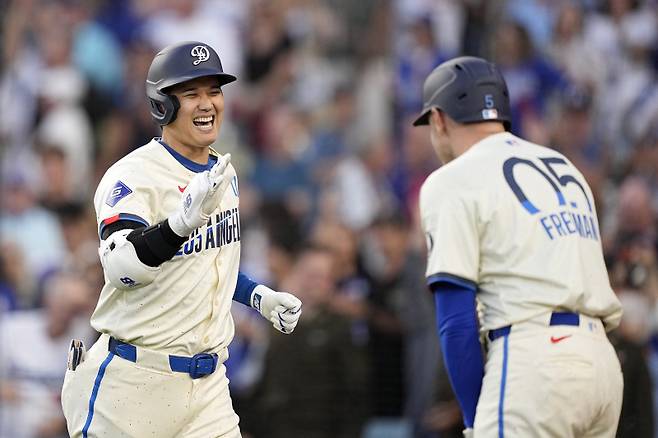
(199, 365)
(557, 318)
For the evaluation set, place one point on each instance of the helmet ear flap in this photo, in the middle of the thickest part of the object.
(163, 107)
(175, 105)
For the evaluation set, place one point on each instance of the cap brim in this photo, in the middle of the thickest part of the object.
(224, 78)
(423, 119)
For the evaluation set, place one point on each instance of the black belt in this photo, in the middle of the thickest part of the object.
(199, 365)
(557, 318)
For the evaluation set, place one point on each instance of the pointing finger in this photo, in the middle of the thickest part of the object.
(219, 167)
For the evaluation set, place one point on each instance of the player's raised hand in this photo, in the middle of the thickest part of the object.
(280, 308)
(218, 181)
(200, 198)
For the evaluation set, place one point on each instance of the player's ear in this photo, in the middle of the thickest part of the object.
(437, 120)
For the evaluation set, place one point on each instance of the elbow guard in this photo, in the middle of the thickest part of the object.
(123, 269)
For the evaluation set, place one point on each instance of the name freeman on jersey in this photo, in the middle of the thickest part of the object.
(566, 223)
(221, 229)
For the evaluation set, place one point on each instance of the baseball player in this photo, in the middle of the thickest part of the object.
(512, 226)
(169, 224)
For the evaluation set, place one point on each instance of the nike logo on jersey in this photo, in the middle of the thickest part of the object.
(182, 189)
(555, 340)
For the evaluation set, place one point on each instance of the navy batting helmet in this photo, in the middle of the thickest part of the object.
(174, 65)
(469, 90)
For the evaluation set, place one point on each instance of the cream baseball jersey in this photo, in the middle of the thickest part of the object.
(517, 221)
(187, 308)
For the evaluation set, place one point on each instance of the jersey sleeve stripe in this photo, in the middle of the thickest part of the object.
(450, 278)
(122, 217)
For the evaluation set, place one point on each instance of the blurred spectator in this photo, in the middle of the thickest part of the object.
(217, 23)
(35, 231)
(332, 137)
(531, 79)
(573, 134)
(65, 126)
(17, 287)
(419, 160)
(316, 34)
(34, 345)
(644, 161)
(308, 382)
(633, 219)
(268, 43)
(636, 212)
(361, 184)
(625, 34)
(634, 274)
(637, 414)
(269, 72)
(388, 267)
(353, 287)
(443, 419)
(352, 291)
(418, 55)
(284, 235)
(480, 24)
(55, 169)
(279, 174)
(246, 365)
(95, 51)
(569, 50)
(81, 237)
(129, 125)
(537, 16)
(446, 18)
(123, 18)
(61, 88)
(422, 358)
(8, 279)
(619, 25)
(19, 78)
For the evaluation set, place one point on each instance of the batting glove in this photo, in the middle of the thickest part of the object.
(468, 433)
(201, 198)
(280, 308)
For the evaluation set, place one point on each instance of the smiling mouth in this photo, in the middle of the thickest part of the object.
(205, 122)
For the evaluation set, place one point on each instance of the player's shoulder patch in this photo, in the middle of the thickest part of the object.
(117, 193)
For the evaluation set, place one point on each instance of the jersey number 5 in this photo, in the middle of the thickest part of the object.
(551, 175)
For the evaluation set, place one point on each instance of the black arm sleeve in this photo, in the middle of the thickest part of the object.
(154, 245)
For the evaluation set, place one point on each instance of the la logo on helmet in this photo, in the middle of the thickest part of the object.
(201, 53)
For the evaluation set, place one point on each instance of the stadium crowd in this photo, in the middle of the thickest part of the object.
(319, 127)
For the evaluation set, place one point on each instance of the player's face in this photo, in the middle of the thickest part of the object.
(440, 139)
(200, 114)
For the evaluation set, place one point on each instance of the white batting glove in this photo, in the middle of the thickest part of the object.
(280, 308)
(468, 433)
(201, 198)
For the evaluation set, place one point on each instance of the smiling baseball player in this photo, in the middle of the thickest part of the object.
(169, 224)
(512, 226)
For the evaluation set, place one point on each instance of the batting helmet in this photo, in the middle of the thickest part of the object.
(174, 65)
(469, 90)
